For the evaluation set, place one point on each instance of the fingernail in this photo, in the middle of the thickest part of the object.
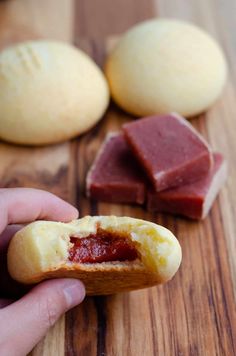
(74, 292)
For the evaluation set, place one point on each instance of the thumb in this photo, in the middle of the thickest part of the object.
(26, 321)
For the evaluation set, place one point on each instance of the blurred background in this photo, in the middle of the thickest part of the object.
(193, 315)
(68, 19)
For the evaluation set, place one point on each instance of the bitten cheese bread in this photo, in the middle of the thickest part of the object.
(108, 254)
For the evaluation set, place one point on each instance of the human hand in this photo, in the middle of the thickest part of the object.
(24, 322)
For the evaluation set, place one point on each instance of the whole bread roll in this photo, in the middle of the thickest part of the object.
(109, 254)
(49, 92)
(166, 65)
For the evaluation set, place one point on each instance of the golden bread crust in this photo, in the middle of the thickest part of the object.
(114, 279)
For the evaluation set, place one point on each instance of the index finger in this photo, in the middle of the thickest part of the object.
(22, 205)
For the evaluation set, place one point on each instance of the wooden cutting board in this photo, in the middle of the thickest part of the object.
(194, 314)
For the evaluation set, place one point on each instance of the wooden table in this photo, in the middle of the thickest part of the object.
(195, 313)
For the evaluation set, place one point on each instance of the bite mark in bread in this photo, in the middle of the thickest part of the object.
(42, 250)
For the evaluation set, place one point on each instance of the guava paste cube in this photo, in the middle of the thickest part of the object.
(116, 176)
(193, 200)
(170, 150)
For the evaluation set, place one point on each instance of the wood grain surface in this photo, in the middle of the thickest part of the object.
(195, 313)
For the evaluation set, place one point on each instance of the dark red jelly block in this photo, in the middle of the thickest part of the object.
(171, 151)
(116, 175)
(193, 200)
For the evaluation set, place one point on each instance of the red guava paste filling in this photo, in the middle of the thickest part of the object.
(102, 247)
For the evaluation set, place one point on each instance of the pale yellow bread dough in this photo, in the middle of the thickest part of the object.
(49, 92)
(165, 65)
(40, 251)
